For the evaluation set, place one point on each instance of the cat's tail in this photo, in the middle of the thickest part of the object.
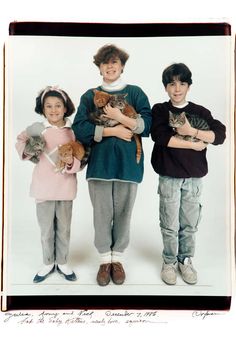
(84, 160)
(139, 147)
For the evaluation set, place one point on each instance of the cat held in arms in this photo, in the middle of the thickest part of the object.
(69, 150)
(176, 120)
(34, 147)
(98, 117)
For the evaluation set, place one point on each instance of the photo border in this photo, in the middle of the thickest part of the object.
(117, 301)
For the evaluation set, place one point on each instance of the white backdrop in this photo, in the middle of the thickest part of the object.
(35, 62)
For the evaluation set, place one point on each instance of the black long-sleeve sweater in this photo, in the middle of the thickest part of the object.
(180, 163)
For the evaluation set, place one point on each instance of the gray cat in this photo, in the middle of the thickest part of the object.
(34, 147)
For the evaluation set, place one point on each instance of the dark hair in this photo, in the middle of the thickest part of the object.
(109, 52)
(179, 71)
(70, 108)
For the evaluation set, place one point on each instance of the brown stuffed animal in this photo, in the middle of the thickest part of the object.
(67, 151)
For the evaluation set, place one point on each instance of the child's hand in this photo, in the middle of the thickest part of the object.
(186, 129)
(112, 113)
(67, 160)
(198, 146)
(122, 132)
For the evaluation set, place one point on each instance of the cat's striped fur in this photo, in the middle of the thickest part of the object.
(178, 120)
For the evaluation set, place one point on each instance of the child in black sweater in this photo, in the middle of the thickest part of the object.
(181, 163)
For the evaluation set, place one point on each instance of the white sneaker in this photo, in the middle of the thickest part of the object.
(169, 273)
(187, 271)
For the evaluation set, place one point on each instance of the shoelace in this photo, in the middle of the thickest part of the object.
(170, 266)
(117, 266)
(105, 267)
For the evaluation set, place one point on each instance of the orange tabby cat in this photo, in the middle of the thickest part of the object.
(67, 151)
(101, 99)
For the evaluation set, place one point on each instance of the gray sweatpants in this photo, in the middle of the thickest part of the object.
(54, 218)
(112, 202)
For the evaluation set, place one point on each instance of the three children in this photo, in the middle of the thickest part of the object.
(180, 162)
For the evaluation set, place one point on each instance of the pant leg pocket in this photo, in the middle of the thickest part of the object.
(169, 202)
(199, 215)
(165, 187)
(196, 187)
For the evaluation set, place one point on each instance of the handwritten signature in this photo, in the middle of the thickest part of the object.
(204, 314)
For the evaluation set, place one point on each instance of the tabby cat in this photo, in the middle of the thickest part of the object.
(98, 117)
(178, 120)
(34, 147)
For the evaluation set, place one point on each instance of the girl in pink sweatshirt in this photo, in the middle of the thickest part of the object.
(53, 190)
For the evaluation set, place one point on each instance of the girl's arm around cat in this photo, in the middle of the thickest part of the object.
(20, 145)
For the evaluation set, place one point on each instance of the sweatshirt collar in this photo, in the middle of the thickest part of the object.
(181, 106)
(48, 125)
(114, 86)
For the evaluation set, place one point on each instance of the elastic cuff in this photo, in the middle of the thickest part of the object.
(117, 257)
(140, 125)
(105, 258)
(98, 133)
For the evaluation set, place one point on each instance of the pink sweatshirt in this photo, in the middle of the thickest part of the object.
(47, 184)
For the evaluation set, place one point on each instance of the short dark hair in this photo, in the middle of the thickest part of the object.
(109, 52)
(70, 108)
(179, 71)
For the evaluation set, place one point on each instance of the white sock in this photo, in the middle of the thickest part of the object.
(117, 257)
(105, 258)
(65, 269)
(46, 268)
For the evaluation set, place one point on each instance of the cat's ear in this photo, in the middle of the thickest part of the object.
(182, 114)
(95, 91)
(170, 113)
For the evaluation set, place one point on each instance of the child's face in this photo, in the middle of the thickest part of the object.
(54, 110)
(177, 91)
(111, 70)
